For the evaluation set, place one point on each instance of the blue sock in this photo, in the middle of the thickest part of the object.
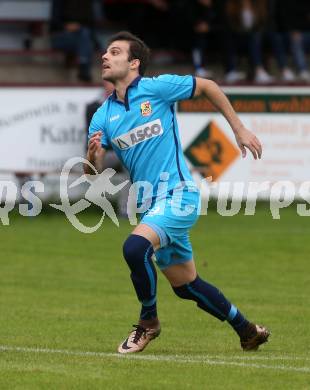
(237, 320)
(148, 312)
(211, 300)
(137, 252)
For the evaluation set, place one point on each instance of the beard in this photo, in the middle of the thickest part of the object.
(108, 77)
(114, 76)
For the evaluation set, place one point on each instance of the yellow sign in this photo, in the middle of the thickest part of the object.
(211, 153)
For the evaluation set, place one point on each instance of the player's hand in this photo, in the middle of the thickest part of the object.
(246, 139)
(94, 145)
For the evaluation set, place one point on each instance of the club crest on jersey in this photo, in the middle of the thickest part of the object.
(146, 108)
(139, 134)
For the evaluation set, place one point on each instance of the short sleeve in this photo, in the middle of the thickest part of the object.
(173, 88)
(98, 123)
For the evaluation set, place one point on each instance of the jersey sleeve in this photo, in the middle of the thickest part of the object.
(173, 88)
(98, 123)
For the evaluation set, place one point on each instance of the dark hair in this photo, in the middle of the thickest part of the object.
(137, 48)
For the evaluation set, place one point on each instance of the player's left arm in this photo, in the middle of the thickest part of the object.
(244, 137)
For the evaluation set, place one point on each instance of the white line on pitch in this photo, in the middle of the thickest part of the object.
(209, 360)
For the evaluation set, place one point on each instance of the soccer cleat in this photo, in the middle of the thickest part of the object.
(257, 335)
(138, 339)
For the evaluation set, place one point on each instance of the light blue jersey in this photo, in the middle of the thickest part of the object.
(143, 131)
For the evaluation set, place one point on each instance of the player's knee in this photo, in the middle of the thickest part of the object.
(136, 249)
(186, 290)
(182, 292)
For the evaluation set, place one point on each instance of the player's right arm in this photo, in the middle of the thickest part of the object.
(97, 141)
(95, 154)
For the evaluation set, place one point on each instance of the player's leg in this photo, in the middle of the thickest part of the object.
(138, 250)
(144, 274)
(188, 285)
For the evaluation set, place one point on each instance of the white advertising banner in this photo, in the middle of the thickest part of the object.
(41, 128)
(280, 117)
(285, 140)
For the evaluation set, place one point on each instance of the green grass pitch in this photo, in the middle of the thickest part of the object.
(66, 302)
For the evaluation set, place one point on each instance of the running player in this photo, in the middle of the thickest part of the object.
(138, 120)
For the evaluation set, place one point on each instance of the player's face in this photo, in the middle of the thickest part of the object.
(115, 64)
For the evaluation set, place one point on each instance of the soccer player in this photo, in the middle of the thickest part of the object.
(138, 120)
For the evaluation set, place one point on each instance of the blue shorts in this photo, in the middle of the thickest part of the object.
(172, 218)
